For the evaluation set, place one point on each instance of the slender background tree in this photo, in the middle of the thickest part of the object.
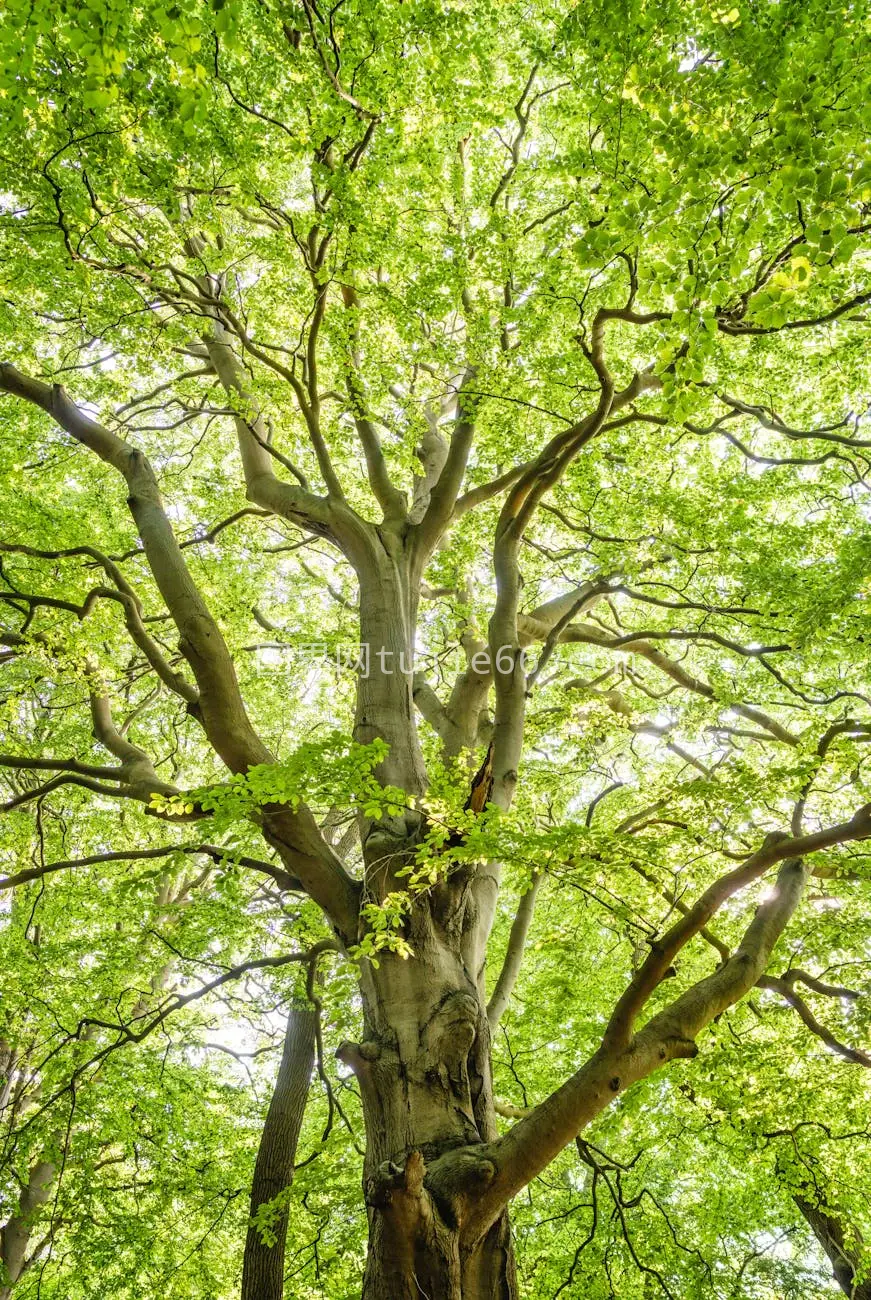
(435, 557)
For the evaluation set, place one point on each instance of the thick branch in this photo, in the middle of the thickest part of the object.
(220, 707)
(535, 1140)
(514, 953)
(777, 847)
(828, 1229)
(446, 490)
(290, 501)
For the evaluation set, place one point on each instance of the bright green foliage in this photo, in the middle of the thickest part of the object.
(490, 175)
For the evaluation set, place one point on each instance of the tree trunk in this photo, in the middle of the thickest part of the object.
(16, 1233)
(263, 1267)
(414, 1254)
(829, 1232)
(424, 1073)
(385, 701)
(424, 1063)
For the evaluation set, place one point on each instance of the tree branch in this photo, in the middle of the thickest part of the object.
(785, 988)
(534, 1141)
(214, 851)
(514, 954)
(391, 499)
(220, 708)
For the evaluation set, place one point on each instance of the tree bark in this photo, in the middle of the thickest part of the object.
(263, 1266)
(424, 1073)
(385, 702)
(16, 1233)
(416, 1254)
(829, 1232)
(424, 1062)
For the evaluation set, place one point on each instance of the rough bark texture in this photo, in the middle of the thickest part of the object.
(424, 1062)
(263, 1267)
(424, 1073)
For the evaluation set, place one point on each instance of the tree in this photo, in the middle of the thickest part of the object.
(500, 371)
(263, 1272)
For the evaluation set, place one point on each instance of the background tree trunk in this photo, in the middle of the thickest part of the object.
(829, 1232)
(16, 1233)
(263, 1266)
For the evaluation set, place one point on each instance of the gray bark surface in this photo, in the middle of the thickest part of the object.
(263, 1264)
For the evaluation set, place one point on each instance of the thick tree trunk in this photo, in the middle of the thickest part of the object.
(414, 1254)
(263, 1267)
(424, 1073)
(424, 1063)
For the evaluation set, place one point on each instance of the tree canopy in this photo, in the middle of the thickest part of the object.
(435, 559)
